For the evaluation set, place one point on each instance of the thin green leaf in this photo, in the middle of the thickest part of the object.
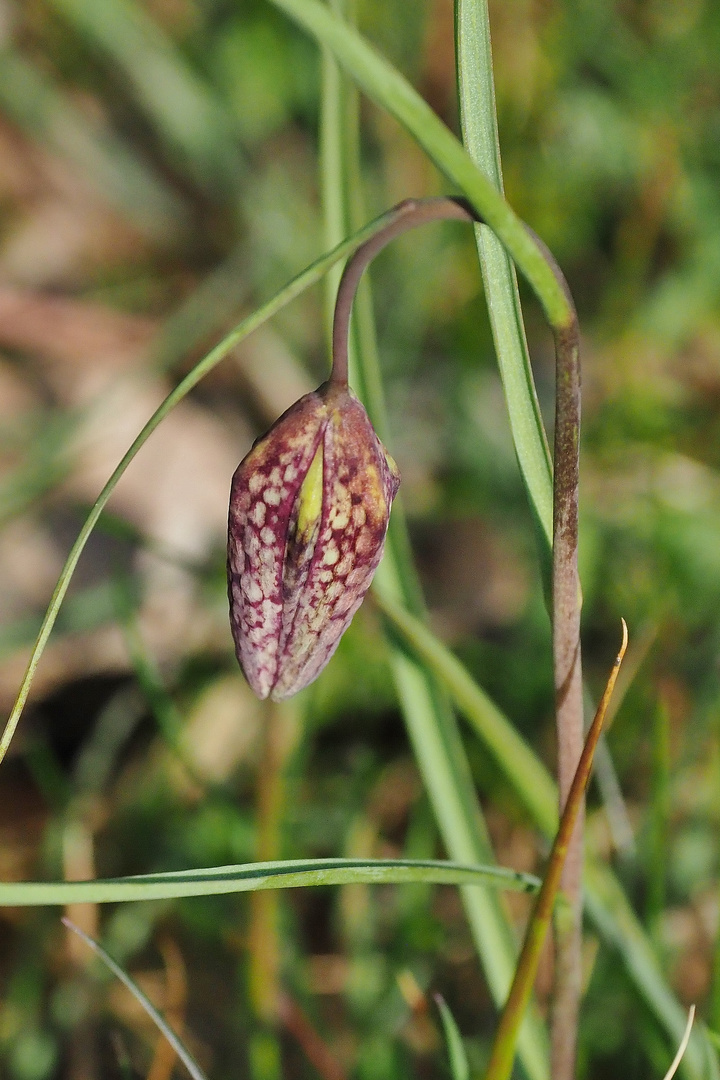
(479, 130)
(252, 877)
(459, 1067)
(441, 756)
(522, 769)
(162, 1025)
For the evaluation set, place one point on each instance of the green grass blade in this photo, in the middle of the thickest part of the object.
(302, 281)
(253, 877)
(161, 1024)
(479, 130)
(517, 761)
(441, 757)
(387, 88)
(459, 1067)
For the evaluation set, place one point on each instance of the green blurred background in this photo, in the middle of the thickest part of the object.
(159, 180)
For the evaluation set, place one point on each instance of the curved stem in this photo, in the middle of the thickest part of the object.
(565, 580)
(406, 215)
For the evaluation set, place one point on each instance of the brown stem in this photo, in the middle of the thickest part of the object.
(408, 215)
(503, 1051)
(316, 1050)
(566, 599)
(565, 582)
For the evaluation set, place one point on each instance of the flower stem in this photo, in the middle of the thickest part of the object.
(565, 579)
(406, 215)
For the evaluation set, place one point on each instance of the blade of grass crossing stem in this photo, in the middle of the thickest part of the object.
(605, 900)
(443, 764)
(387, 88)
(476, 90)
(307, 277)
(527, 775)
(252, 877)
(459, 1067)
(503, 1052)
(161, 1024)
(429, 719)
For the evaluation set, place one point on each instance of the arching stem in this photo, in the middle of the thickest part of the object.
(565, 580)
(407, 215)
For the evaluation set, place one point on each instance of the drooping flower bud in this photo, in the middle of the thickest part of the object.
(309, 510)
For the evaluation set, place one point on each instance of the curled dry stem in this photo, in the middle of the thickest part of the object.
(683, 1045)
(503, 1052)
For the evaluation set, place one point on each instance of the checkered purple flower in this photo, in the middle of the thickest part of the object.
(309, 510)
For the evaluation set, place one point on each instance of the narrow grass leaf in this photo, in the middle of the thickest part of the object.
(512, 754)
(476, 90)
(251, 877)
(459, 1067)
(162, 1025)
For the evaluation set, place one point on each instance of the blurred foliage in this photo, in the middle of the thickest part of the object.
(158, 179)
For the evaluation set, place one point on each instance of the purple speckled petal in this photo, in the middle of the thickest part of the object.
(294, 591)
(359, 484)
(264, 491)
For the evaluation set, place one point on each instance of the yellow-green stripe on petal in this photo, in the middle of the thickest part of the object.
(310, 496)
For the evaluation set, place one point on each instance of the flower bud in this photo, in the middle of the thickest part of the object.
(309, 510)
